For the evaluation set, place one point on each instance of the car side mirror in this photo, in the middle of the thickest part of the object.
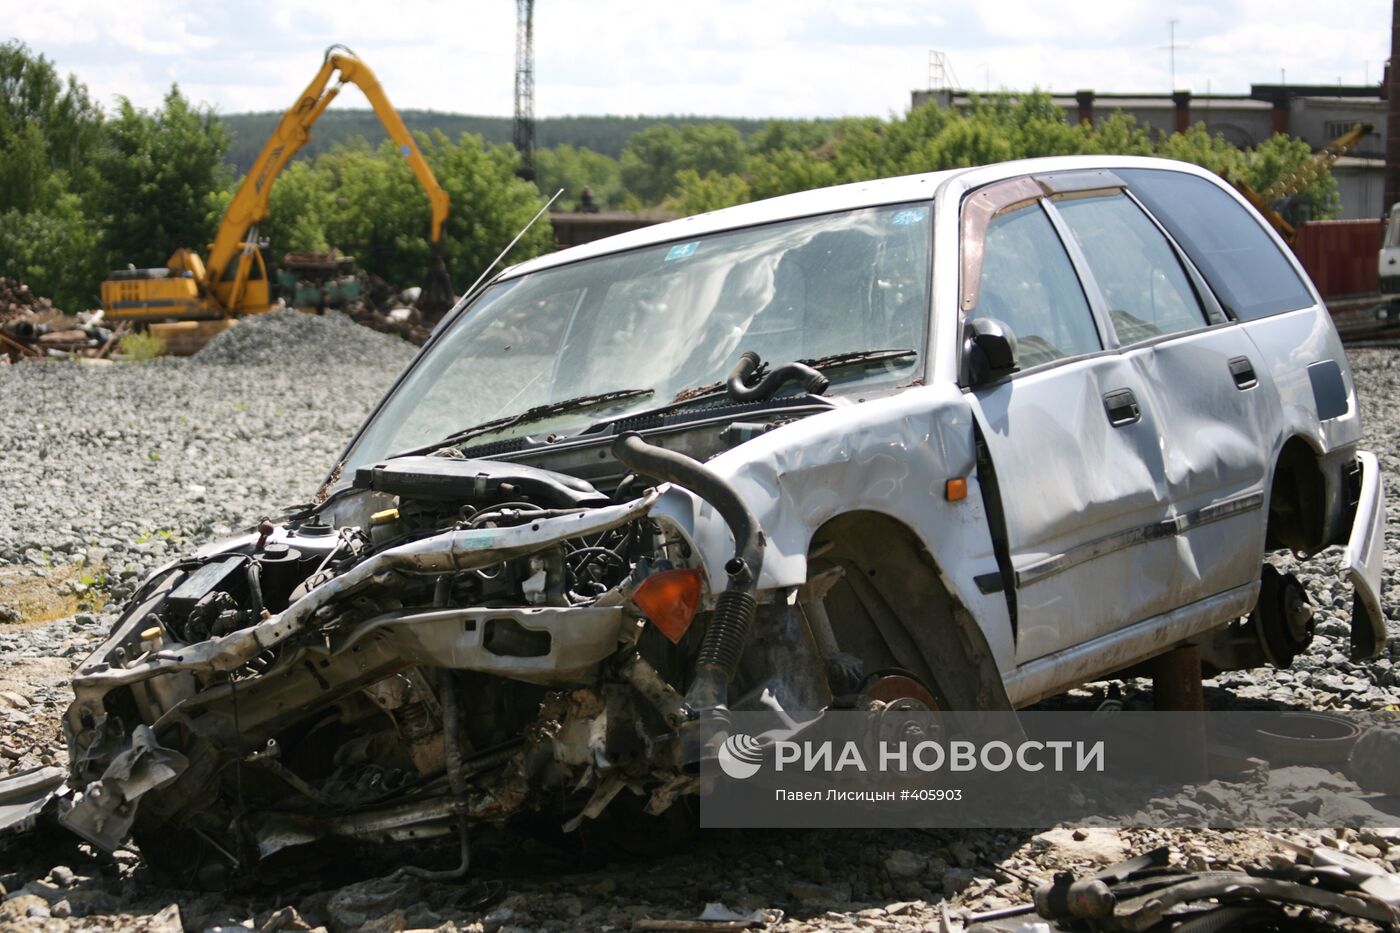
(989, 350)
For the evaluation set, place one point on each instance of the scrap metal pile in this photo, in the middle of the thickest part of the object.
(318, 281)
(30, 326)
(1147, 893)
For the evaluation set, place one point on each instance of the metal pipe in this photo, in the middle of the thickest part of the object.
(452, 761)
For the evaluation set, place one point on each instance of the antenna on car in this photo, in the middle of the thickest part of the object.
(509, 246)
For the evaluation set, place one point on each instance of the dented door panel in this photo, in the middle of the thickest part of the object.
(1219, 432)
(1080, 496)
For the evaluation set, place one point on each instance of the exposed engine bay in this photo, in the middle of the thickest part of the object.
(444, 642)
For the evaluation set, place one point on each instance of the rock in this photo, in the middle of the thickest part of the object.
(167, 921)
(18, 906)
(903, 865)
(955, 879)
(286, 919)
(1340, 809)
(1308, 779)
(1373, 762)
(12, 700)
(62, 910)
(355, 905)
(84, 902)
(62, 876)
(1098, 845)
(819, 894)
(497, 919)
(961, 854)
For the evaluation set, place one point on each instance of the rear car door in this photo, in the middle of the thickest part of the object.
(1069, 450)
(1211, 395)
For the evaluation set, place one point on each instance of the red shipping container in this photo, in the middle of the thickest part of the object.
(1341, 256)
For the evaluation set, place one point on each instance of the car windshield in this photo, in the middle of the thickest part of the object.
(655, 321)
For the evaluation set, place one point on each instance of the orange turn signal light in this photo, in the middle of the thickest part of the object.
(670, 598)
(955, 489)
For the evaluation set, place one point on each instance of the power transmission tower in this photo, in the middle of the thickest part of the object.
(524, 135)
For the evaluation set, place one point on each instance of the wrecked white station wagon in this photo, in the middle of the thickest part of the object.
(962, 440)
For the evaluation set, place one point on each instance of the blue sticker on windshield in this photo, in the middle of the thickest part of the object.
(910, 215)
(682, 251)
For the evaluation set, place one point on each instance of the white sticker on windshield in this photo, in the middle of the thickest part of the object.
(911, 215)
(682, 251)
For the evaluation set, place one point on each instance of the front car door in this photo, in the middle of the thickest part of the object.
(1071, 449)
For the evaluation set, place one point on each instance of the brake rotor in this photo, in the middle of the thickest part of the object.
(1283, 618)
(892, 685)
(900, 702)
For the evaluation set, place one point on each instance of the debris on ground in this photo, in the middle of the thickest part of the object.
(1147, 893)
(32, 328)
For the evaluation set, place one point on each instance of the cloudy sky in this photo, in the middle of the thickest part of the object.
(750, 58)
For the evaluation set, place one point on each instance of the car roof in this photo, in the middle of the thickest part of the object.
(835, 198)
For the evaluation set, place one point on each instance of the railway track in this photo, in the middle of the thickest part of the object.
(1359, 326)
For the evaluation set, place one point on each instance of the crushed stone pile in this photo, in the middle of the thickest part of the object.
(291, 338)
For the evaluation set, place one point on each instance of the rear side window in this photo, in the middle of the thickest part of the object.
(1244, 267)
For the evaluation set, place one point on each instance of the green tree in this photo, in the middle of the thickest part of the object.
(24, 167)
(298, 209)
(789, 135)
(1280, 157)
(576, 169)
(696, 193)
(1201, 148)
(33, 97)
(783, 171)
(54, 251)
(651, 158)
(368, 204)
(157, 171)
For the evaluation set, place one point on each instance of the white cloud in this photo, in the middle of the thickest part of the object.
(779, 57)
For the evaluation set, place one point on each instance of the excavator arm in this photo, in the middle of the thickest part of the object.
(1295, 181)
(249, 207)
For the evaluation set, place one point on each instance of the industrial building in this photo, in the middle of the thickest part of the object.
(1315, 113)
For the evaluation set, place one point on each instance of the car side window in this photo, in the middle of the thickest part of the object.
(1028, 283)
(1243, 264)
(1144, 286)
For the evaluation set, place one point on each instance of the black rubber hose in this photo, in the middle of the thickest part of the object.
(740, 390)
(729, 625)
(255, 594)
(667, 465)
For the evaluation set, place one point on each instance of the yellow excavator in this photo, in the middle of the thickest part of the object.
(1297, 180)
(233, 282)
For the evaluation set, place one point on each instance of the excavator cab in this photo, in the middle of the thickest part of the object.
(244, 283)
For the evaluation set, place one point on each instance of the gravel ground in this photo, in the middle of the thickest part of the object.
(110, 470)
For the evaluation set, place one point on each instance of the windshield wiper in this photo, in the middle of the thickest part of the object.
(533, 414)
(821, 363)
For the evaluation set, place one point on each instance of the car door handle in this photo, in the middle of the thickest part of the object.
(1122, 407)
(1242, 371)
